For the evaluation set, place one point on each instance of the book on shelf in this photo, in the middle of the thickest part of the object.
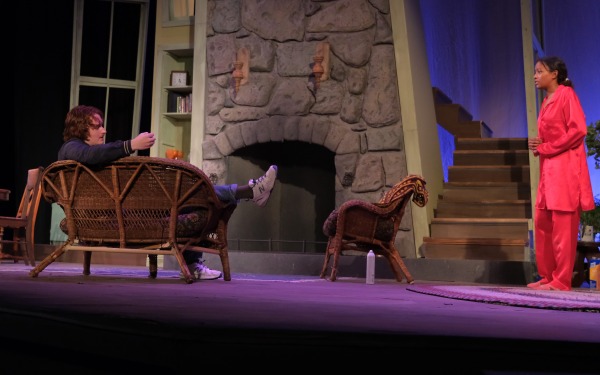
(179, 103)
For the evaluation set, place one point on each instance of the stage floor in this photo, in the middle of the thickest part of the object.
(117, 318)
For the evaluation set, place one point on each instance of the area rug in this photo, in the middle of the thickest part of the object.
(587, 300)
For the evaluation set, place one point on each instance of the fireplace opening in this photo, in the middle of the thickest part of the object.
(303, 197)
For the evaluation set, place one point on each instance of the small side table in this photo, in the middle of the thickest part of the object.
(585, 249)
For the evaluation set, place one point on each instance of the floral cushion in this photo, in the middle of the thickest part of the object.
(330, 223)
(188, 223)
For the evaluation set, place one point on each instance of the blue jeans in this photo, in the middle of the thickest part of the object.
(225, 193)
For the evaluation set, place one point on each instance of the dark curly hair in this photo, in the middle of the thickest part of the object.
(78, 121)
(553, 63)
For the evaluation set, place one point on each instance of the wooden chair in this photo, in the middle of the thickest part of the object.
(137, 205)
(362, 226)
(23, 224)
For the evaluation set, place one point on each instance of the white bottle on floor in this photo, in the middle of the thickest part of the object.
(371, 267)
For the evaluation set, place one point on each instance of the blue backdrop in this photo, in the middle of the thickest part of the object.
(475, 54)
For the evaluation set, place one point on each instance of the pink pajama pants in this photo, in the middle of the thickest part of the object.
(556, 246)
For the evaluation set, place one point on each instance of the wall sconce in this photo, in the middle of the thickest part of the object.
(318, 70)
(241, 68)
(321, 65)
(237, 75)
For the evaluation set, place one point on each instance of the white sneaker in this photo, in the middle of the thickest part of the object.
(200, 272)
(262, 187)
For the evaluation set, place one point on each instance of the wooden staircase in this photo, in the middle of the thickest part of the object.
(485, 207)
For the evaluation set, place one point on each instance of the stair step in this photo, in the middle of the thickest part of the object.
(484, 131)
(509, 228)
(471, 191)
(449, 208)
(491, 173)
(467, 128)
(491, 144)
(475, 241)
(491, 157)
(476, 248)
(451, 114)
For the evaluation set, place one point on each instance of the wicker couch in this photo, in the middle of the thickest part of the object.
(136, 205)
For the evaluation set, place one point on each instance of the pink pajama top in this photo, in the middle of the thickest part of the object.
(564, 175)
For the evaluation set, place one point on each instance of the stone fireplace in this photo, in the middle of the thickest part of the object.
(340, 141)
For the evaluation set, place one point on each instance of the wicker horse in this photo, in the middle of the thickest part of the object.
(362, 226)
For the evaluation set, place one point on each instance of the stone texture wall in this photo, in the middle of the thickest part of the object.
(355, 112)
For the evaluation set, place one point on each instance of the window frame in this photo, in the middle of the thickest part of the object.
(169, 20)
(78, 80)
